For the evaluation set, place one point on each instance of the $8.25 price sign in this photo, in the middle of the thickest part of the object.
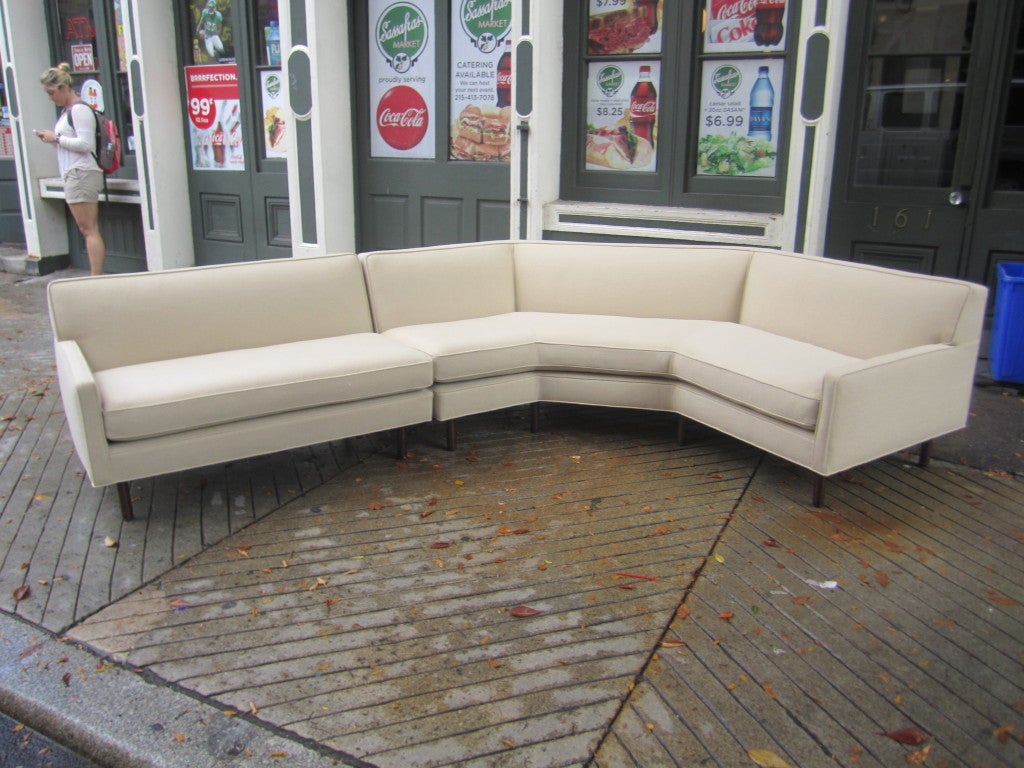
(205, 86)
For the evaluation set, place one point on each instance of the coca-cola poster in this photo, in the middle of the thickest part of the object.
(622, 115)
(402, 89)
(618, 27)
(481, 81)
(740, 117)
(211, 93)
(745, 25)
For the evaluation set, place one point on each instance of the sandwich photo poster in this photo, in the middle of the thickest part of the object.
(402, 85)
(617, 27)
(622, 115)
(481, 81)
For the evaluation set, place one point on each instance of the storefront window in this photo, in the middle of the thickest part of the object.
(90, 38)
(678, 103)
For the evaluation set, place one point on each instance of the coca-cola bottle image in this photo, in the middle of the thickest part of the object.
(217, 140)
(762, 102)
(768, 21)
(643, 105)
(649, 10)
(505, 76)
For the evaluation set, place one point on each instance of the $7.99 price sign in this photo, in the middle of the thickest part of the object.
(205, 87)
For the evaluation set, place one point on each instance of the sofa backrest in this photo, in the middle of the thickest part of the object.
(690, 282)
(858, 309)
(439, 283)
(135, 318)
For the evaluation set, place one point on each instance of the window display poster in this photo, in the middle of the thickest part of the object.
(212, 98)
(745, 25)
(481, 81)
(274, 112)
(617, 27)
(212, 34)
(739, 117)
(622, 115)
(402, 92)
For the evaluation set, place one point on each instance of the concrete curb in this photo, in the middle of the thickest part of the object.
(115, 717)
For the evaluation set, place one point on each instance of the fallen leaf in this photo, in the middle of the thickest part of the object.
(767, 759)
(375, 505)
(726, 615)
(20, 593)
(920, 757)
(494, 663)
(1003, 733)
(243, 550)
(771, 543)
(1000, 599)
(802, 599)
(882, 578)
(109, 541)
(440, 545)
(635, 576)
(523, 611)
(768, 689)
(683, 612)
(672, 643)
(179, 738)
(910, 736)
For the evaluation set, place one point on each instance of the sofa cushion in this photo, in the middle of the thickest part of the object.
(168, 396)
(640, 346)
(772, 374)
(471, 349)
(525, 341)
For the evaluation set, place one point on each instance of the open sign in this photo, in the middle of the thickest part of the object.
(82, 58)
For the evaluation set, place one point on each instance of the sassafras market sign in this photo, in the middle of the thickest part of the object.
(402, 81)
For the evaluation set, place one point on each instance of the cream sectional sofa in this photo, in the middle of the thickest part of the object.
(165, 371)
(827, 364)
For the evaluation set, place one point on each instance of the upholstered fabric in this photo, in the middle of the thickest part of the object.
(667, 281)
(166, 396)
(427, 285)
(855, 309)
(143, 317)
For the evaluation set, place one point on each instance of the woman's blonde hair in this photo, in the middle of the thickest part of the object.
(55, 77)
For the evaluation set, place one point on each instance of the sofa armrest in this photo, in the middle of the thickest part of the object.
(884, 404)
(83, 410)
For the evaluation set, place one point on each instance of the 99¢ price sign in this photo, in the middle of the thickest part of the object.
(212, 103)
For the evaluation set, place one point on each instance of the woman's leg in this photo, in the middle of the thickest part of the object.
(87, 217)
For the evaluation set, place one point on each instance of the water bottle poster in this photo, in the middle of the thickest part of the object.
(617, 27)
(481, 81)
(740, 117)
(622, 115)
(402, 43)
(212, 97)
(743, 26)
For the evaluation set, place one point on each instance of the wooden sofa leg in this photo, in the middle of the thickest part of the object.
(401, 444)
(818, 495)
(124, 498)
(681, 431)
(535, 417)
(924, 454)
(451, 435)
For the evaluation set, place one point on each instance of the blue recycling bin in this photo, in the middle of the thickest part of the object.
(1006, 349)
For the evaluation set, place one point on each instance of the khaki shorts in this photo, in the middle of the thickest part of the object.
(83, 186)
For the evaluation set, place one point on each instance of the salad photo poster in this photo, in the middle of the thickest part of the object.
(739, 117)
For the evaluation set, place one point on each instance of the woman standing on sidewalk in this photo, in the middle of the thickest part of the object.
(74, 136)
